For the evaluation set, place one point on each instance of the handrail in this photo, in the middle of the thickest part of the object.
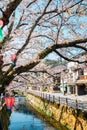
(69, 102)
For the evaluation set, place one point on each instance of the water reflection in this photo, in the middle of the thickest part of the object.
(21, 121)
(23, 118)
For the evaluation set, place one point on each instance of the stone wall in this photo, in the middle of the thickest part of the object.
(59, 114)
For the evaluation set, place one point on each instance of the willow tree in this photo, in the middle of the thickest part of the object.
(33, 29)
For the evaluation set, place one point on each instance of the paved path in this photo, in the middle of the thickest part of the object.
(78, 102)
(71, 96)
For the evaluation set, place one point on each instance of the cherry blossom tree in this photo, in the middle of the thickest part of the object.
(33, 29)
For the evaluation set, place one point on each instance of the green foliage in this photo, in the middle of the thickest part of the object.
(53, 63)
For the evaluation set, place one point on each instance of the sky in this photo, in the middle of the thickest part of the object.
(65, 33)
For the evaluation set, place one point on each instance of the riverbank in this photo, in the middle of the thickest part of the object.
(76, 102)
(55, 113)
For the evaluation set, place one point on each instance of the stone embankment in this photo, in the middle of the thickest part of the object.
(56, 114)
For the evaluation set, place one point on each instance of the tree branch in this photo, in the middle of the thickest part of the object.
(9, 10)
(68, 58)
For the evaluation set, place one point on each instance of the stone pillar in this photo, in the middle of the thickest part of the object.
(68, 90)
(76, 90)
(73, 89)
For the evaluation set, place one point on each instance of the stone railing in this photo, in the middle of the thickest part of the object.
(69, 102)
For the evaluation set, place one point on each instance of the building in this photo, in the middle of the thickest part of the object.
(74, 78)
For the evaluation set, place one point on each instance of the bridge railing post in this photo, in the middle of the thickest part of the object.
(59, 100)
(66, 101)
(76, 103)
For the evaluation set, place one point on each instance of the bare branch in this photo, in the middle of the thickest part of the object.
(31, 3)
(68, 58)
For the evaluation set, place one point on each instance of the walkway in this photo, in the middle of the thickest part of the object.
(78, 102)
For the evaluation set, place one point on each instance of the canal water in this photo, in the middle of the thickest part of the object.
(24, 118)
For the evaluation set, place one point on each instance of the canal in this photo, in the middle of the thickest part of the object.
(24, 118)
